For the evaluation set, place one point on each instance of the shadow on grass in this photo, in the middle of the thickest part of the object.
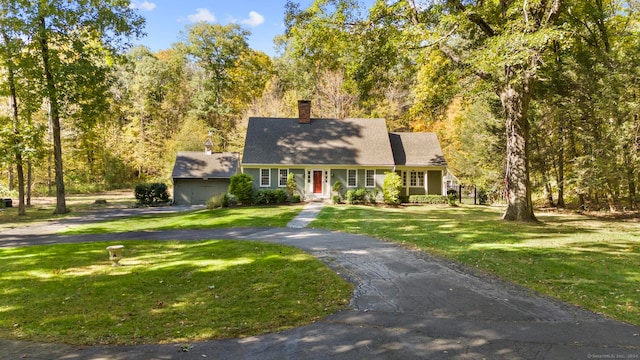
(164, 292)
(589, 262)
(263, 216)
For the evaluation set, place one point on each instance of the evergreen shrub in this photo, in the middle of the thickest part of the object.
(241, 186)
(483, 196)
(270, 196)
(151, 194)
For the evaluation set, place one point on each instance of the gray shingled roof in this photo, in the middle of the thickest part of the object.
(416, 149)
(363, 142)
(198, 165)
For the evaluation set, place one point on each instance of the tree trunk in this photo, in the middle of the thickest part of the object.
(560, 176)
(611, 196)
(61, 207)
(515, 102)
(631, 184)
(548, 193)
(13, 97)
(29, 182)
(12, 180)
(18, 154)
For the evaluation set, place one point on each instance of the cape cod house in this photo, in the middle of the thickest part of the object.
(356, 152)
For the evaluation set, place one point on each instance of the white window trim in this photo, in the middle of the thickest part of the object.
(269, 172)
(280, 178)
(417, 179)
(373, 178)
(356, 178)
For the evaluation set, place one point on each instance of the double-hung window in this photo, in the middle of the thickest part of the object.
(352, 178)
(283, 174)
(416, 179)
(370, 178)
(265, 177)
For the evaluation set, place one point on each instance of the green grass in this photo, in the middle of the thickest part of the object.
(9, 216)
(164, 292)
(260, 216)
(589, 262)
(43, 207)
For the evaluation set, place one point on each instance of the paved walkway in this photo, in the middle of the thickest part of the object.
(306, 216)
(407, 305)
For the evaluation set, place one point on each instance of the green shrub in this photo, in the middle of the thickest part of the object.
(354, 196)
(452, 195)
(280, 196)
(337, 192)
(241, 186)
(361, 194)
(295, 199)
(337, 187)
(428, 199)
(350, 196)
(391, 188)
(6, 193)
(270, 196)
(151, 194)
(292, 186)
(231, 200)
(373, 196)
(261, 197)
(219, 201)
(483, 196)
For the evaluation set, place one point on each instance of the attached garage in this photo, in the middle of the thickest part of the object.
(197, 176)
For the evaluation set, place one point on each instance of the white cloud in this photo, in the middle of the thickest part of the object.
(145, 5)
(254, 19)
(202, 15)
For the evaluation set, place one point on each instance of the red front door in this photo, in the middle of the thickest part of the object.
(317, 182)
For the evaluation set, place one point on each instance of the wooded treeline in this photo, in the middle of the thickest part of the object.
(527, 97)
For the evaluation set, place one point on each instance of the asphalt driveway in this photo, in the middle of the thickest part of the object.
(407, 305)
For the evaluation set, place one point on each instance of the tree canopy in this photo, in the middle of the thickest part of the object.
(534, 101)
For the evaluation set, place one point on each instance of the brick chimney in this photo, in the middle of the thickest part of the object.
(304, 111)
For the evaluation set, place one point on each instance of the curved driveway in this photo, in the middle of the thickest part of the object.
(407, 305)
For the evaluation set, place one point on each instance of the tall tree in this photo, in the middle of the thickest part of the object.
(216, 50)
(500, 44)
(8, 54)
(63, 35)
(24, 138)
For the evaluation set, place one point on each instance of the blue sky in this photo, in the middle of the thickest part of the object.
(167, 18)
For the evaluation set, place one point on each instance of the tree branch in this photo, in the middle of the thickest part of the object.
(475, 18)
(436, 42)
(451, 55)
(554, 12)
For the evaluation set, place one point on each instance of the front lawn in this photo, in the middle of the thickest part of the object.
(164, 292)
(43, 207)
(589, 262)
(256, 216)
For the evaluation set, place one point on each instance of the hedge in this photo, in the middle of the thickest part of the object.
(428, 199)
(152, 194)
